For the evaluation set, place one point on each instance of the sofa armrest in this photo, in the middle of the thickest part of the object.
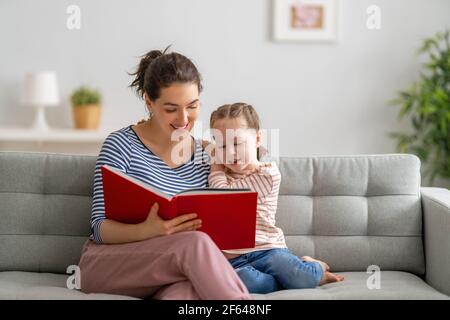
(436, 217)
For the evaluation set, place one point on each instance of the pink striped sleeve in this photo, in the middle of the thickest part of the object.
(218, 179)
(261, 182)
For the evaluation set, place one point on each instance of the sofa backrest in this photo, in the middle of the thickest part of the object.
(354, 211)
(351, 211)
(45, 208)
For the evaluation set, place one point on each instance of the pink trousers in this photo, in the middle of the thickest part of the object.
(184, 265)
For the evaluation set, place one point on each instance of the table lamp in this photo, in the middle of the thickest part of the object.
(41, 91)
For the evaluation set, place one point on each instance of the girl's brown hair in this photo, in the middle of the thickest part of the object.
(236, 110)
(159, 69)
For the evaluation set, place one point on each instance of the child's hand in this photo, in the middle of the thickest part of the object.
(217, 167)
(209, 148)
(248, 171)
(217, 162)
(141, 121)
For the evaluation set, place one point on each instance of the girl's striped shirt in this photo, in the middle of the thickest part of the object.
(265, 181)
(124, 150)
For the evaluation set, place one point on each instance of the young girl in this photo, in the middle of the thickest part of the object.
(270, 266)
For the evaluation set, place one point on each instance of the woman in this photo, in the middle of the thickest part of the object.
(157, 258)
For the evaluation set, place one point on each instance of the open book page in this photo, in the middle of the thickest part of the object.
(197, 191)
(139, 182)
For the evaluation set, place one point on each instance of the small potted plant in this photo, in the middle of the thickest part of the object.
(86, 105)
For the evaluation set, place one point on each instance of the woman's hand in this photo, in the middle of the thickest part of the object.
(155, 226)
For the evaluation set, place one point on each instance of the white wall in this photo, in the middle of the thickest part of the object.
(324, 98)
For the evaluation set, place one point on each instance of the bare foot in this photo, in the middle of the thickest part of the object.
(325, 267)
(329, 277)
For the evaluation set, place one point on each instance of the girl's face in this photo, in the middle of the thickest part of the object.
(236, 144)
(177, 108)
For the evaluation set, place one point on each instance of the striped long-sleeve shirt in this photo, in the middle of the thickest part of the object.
(266, 182)
(124, 150)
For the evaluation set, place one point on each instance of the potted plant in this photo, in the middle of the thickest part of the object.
(427, 102)
(86, 105)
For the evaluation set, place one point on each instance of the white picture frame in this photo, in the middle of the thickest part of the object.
(306, 20)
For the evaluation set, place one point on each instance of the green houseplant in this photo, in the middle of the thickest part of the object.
(427, 103)
(86, 103)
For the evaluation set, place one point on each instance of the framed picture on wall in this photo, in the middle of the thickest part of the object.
(305, 20)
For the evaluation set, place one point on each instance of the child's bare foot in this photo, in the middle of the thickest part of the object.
(329, 277)
(325, 267)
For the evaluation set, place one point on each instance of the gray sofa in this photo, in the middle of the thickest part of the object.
(350, 211)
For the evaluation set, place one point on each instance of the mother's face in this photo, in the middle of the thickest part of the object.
(177, 108)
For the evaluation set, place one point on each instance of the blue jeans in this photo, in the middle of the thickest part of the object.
(271, 270)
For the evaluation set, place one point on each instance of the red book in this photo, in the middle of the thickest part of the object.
(228, 215)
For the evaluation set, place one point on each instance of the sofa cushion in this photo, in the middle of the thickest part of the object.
(395, 285)
(34, 286)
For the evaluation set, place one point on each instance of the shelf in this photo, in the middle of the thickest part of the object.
(53, 135)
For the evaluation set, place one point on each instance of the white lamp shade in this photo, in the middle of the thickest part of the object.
(41, 89)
